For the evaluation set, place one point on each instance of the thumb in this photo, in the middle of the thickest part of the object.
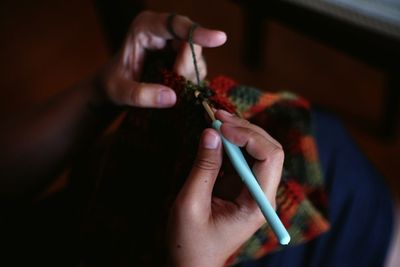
(150, 95)
(197, 190)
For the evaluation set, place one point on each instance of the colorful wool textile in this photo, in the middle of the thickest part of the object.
(301, 201)
(152, 152)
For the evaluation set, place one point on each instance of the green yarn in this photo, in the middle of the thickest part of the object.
(244, 97)
(196, 68)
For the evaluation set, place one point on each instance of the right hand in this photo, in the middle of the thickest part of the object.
(206, 230)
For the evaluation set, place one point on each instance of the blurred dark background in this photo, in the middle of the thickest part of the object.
(49, 45)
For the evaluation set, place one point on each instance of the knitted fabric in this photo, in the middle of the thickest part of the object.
(301, 201)
(151, 155)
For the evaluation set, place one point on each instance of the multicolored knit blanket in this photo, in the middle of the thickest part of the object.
(301, 200)
(152, 153)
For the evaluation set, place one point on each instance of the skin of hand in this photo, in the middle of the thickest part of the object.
(37, 145)
(149, 32)
(205, 230)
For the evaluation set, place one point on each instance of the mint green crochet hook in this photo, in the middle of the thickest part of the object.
(242, 168)
(248, 178)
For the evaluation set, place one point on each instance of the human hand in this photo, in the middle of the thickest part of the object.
(120, 80)
(205, 230)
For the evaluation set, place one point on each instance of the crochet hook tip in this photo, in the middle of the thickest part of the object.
(205, 105)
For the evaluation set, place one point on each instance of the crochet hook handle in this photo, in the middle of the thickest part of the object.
(247, 176)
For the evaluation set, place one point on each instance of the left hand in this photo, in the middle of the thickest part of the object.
(121, 78)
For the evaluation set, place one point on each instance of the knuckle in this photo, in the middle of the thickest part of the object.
(147, 13)
(243, 122)
(142, 16)
(277, 154)
(185, 18)
(206, 164)
(186, 207)
(279, 146)
(135, 95)
(252, 135)
(192, 208)
(141, 21)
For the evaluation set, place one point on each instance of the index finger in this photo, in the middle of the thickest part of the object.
(156, 24)
(269, 156)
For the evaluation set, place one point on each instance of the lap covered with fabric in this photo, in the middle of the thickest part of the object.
(360, 208)
(333, 208)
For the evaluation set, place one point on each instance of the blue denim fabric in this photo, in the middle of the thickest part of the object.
(360, 207)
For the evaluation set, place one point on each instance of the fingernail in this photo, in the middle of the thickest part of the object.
(210, 140)
(166, 98)
(222, 36)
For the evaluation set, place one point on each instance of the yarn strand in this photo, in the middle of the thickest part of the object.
(196, 68)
